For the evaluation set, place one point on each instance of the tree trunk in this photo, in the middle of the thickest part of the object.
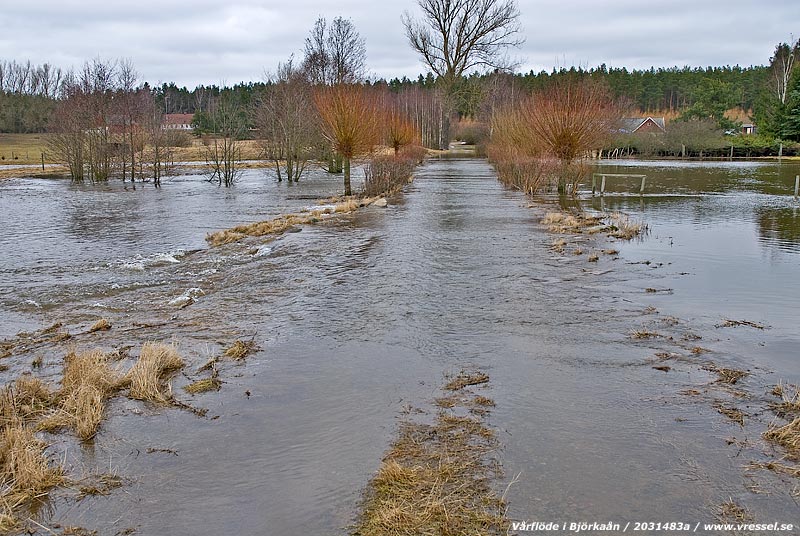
(347, 190)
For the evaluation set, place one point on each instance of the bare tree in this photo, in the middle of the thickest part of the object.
(285, 118)
(335, 54)
(224, 153)
(457, 35)
(782, 64)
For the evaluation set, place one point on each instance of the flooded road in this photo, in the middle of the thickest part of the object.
(359, 319)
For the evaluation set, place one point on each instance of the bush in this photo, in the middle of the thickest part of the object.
(177, 138)
(387, 174)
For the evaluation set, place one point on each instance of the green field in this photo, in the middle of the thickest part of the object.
(18, 149)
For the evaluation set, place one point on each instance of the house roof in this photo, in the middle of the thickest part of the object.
(178, 119)
(632, 124)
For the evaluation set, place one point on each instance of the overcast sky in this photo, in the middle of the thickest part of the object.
(228, 41)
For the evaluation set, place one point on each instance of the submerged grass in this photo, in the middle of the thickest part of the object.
(465, 379)
(436, 478)
(203, 386)
(726, 375)
(240, 349)
(284, 222)
(616, 224)
(730, 511)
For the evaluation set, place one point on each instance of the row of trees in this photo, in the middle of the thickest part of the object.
(107, 123)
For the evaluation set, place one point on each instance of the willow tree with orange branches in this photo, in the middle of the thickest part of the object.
(563, 122)
(350, 120)
(400, 131)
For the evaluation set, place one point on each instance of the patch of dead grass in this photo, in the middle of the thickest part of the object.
(465, 379)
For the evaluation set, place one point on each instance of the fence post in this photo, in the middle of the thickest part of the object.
(602, 184)
(641, 190)
(796, 186)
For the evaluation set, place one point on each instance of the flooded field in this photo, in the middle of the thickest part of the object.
(359, 320)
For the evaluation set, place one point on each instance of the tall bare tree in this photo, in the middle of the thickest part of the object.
(454, 36)
(335, 54)
(286, 120)
(224, 153)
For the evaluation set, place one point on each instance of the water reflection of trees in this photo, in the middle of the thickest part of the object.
(781, 225)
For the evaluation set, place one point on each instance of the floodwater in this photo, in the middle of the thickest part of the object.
(359, 320)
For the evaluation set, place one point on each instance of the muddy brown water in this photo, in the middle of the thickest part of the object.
(359, 319)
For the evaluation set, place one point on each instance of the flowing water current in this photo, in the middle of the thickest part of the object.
(359, 319)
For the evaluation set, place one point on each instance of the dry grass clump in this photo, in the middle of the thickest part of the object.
(87, 384)
(465, 379)
(611, 252)
(25, 400)
(560, 222)
(275, 226)
(240, 349)
(593, 257)
(787, 436)
(25, 471)
(790, 399)
(346, 206)
(101, 325)
(624, 228)
(726, 375)
(147, 376)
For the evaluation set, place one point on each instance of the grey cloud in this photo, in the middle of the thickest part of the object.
(207, 41)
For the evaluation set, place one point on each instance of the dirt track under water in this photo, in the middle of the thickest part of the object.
(358, 320)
